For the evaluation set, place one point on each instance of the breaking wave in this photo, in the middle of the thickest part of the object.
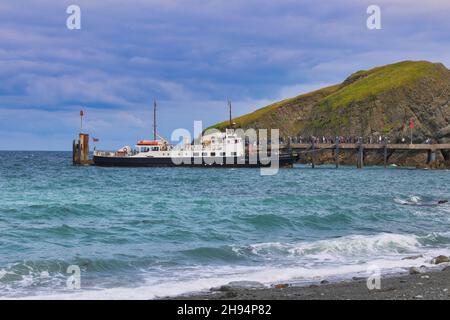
(304, 262)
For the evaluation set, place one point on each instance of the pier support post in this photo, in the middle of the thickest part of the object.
(75, 152)
(336, 153)
(80, 150)
(385, 154)
(84, 146)
(313, 154)
(360, 158)
(431, 156)
(289, 147)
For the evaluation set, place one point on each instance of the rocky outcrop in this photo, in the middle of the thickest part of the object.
(413, 257)
(440, 259)
(415, 270)
(239, 285)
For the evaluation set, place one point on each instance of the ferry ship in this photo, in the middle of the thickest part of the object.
(224, 149)
(219, 149)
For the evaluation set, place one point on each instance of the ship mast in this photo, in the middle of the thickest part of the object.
(229, 107)
(154, 120)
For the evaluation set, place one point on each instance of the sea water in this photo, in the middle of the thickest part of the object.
(144, 233)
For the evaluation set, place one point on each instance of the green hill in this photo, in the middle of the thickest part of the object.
(368, 102)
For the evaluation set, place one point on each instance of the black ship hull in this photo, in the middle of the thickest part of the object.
(232, 162)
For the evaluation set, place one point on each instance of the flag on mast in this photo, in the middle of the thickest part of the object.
(81, 120)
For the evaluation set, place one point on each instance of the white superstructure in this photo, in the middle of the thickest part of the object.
(219, 144)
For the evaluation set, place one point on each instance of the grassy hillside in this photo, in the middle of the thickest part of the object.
(380, 100)
(244, 120)
(363, 84)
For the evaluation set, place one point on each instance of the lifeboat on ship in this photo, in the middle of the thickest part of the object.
(148, 143)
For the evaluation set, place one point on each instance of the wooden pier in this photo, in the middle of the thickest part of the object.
(313, 148)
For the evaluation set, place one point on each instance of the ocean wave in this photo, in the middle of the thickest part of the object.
(422, 201)
(304, 262)
(213, 254)
(344, 247)
(426, 207)
(202, 280)
(409, 200)
(31, 278)
(36, 267)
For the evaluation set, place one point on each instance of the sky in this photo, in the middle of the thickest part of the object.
(189, 55)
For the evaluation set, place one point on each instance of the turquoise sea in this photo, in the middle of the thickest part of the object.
(145, 233)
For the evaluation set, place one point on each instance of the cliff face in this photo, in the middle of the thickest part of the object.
(380, 101)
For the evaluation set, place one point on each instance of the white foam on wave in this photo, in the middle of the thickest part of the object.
(267, 276)
(410, 200)
(345, 247)
(421, 208)
(401, 201)
(339, 258)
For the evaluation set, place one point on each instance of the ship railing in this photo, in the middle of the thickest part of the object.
(100, 153)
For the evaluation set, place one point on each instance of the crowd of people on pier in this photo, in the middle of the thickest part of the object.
(348, 139)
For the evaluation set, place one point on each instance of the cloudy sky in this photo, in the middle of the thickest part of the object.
(190, 55)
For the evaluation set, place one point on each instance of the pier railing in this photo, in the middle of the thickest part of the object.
(349, 146)
(314, 147)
